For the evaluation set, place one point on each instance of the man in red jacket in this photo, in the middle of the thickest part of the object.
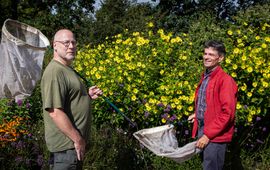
(215, 104)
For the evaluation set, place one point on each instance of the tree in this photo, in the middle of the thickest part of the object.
(49, 16)
(117, 16)
(175, 14)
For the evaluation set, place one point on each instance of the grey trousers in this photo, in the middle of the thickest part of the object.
(65, 160)
(214, 156)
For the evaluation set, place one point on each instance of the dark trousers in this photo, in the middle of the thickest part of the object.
(65, 160)
(214, 156)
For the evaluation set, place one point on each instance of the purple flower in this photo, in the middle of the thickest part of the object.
(264, 129)
(28, 162)
(20, 145)
(166, 110)
(28, 105)
(258, 118)
(245, 106)
(19, 102)
(169, 107)
(173, 117)
(259, 141)
(13, 144)
(146, 114)
(165, 116)
(186, 132)
(18, 159)
(160, 105)
(40, 160)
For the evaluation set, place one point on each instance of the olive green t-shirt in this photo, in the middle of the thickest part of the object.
(62, 88)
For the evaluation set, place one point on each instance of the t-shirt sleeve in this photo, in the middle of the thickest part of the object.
(54, 91)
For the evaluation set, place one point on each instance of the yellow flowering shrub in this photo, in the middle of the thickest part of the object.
(249, 65)
(151, 76)
(144, 74)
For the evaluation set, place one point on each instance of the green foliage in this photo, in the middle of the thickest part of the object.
(116, 16)
(112, 149)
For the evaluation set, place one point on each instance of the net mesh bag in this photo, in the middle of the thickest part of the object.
(22, 50)
(161, 141)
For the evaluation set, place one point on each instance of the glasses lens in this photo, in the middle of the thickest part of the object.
(67, 43)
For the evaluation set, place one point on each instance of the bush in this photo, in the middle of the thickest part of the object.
(21, 137)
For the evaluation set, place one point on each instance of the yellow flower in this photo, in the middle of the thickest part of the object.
(265, 84)
(98, 76)
(254, 84)
(238, 106)
(163, 120)
(244, 58)
(238, 31)
(243, 88)
(249, 69)
(190, 108)
(173, 105)
(151, 93)
(161, 72)
(264, 45)
(257, 37)
(235, 66)
(135, 34)
(148, 108)
(135, 91)
(236, 51)
(249, 118)
(184, 57)
(133, 98)
(234, 75)
(150, 24)
(229, 32)
(239, 41)
(249, 94)
(139, 64)
(181, 74)
(228, 61)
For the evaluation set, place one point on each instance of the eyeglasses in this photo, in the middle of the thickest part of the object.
(67, 43)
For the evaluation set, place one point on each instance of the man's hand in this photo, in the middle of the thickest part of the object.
(94, 92)
(63, 122)
(202, 142)
(80, 148)
(191, 118)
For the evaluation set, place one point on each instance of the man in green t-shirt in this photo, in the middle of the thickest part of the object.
(66, 105)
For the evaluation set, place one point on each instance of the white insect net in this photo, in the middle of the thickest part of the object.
(162, 142)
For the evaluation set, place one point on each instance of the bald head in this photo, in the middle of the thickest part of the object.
(62, 33)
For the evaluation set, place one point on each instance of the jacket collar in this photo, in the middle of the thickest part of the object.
(214, 72)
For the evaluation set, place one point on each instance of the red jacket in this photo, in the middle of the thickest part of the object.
(221, 99)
